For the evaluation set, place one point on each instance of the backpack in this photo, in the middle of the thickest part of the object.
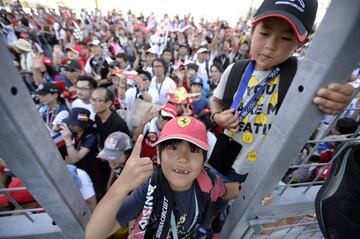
(337, 202)
(287, 72)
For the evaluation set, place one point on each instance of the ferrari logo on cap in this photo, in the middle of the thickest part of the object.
(184, 121)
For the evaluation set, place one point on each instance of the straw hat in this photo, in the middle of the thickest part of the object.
(23, 45)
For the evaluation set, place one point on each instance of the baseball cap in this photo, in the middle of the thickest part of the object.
(119, 73)
(79, 117)
(202, 50)
(47, 88)
(196, 80)
(72, 65)
(116, 144)
(77, 49)
(300, 14)
(95, 42)
(185, 128)
(151, 50)
(168, 110)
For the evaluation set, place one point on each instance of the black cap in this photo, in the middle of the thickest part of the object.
(300, 14)
(47, 88)
(72, 65)
(79, 117)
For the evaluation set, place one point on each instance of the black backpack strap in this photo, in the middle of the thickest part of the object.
(232, 84)
(287, 72)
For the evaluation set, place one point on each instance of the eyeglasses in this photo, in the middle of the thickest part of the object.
(157, 66)
(69, 69)
(82, 88)
(97, 100)
(166, 118)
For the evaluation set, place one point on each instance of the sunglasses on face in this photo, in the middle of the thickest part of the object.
(69, 69)
(166, 118)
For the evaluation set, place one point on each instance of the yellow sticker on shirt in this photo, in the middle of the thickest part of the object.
(274, 99)
(261, 119)
(251, 157)
(246, 119)
(275, 81)
(247, 138)
(261, 100)
(253, 82)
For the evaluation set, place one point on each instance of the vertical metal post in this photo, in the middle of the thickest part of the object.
(332, 55)
(30, 153)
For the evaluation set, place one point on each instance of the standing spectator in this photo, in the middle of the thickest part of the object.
(216, 71)
(52, 106)
(151, 130)
(98, 65)
(160, 84)
(106, 120)
(198, 102)
(203, 62)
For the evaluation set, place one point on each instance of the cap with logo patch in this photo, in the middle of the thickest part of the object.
(116, 144)
(186, 128)
(300, 14)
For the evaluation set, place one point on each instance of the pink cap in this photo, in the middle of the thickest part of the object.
(186, 128)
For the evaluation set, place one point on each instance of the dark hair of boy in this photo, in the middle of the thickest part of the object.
(122, 56)
(218, 67)
(193, 66)
(91, 81)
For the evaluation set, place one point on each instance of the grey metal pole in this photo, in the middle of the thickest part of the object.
(332, 55)
(30, 153)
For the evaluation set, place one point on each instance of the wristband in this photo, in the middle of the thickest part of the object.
(212, 116)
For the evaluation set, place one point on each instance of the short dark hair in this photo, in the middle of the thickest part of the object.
(218, 66)
(108, 94)
(162, 61)
(168, 49)
(193, 66)
(122, 56)
(92, 82)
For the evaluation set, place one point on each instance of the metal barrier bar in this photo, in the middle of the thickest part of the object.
(298, 116)
(30, 152)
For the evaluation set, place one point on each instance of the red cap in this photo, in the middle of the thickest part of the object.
(186, 128)
(168, 110)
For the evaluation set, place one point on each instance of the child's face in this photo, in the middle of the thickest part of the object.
(195, 88)
(181, 164)
(273, 41)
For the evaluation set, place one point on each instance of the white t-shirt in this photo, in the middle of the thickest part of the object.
(256, 124)
(78, 103)
(86, 188)
(158, 91)
(212, 141)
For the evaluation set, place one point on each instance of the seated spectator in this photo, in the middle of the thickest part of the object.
(84, 184)
(52, 106)
(116, 151)
(81, 145)
(107, 121)
(85, 85)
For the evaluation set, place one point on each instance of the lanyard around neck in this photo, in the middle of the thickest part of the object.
(254, 99)
(173, 222)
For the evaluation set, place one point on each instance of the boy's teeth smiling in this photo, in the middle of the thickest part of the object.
(179, 171)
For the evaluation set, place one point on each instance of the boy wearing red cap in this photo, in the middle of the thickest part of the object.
(279, 28)
(178, 200)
